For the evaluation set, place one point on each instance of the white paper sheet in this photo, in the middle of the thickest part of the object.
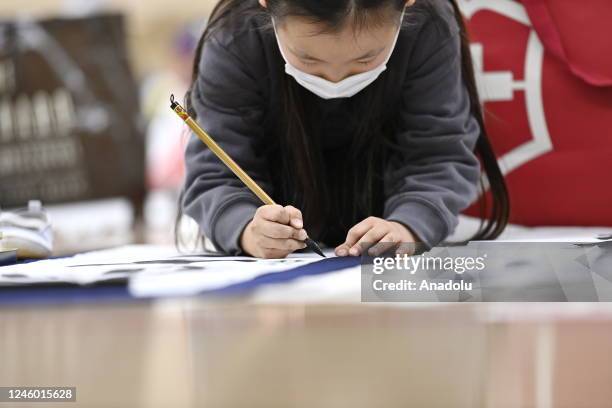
(85, 268)
(155, 263)
(206, 276)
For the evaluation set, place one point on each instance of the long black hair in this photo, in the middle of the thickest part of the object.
(300, 175)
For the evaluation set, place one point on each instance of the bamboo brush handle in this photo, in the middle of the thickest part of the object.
(220, 153)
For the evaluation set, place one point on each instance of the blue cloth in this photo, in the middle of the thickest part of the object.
(64, 294)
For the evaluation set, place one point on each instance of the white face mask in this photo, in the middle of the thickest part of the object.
(346, 88)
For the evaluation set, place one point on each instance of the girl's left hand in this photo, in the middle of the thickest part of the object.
(372, 231)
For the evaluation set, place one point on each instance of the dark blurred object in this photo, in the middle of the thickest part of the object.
(70, 127)
(7, 256)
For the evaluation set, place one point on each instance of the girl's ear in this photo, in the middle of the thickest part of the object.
(408, 2)
(264, 3)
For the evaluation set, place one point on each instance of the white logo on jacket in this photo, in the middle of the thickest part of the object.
(501, 86)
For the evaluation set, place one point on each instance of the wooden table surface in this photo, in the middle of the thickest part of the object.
(188, 353)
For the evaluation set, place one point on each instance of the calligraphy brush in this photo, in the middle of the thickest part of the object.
(229, 162)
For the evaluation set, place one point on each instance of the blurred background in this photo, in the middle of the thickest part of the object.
(85, 124)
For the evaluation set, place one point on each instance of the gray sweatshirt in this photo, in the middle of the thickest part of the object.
(425, 186)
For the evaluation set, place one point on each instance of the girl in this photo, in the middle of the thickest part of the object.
(361, 113)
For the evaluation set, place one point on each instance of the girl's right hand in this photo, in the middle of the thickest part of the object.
(274, 232)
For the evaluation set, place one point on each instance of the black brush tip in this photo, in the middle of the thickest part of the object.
(314, 247)
(173, 102)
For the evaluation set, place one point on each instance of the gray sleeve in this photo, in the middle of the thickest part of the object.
(229, 107)
(435, 173)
